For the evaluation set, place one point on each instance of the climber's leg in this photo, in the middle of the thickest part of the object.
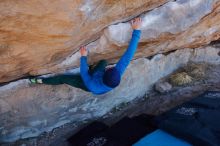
(72, 80)
(99, 67)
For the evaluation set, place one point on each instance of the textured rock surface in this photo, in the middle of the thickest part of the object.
(163, 87)
(36, 36)
(27, 111)
(40, 37)
(39, 34)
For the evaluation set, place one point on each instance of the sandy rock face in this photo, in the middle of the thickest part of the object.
(39, 34)
(39, 37)
(174, 25)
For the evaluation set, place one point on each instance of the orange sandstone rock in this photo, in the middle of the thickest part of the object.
(38, 34)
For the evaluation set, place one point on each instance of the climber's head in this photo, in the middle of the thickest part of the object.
(111, 77)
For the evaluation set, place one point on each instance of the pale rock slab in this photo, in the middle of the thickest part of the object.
(33, 109)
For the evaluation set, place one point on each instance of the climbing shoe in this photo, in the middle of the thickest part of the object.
(35, 81)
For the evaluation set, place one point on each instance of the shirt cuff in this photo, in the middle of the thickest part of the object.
(83, 57)
(136, 32)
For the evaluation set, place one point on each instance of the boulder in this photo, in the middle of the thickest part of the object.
(36, 35)
(39, 37)
(29, 110)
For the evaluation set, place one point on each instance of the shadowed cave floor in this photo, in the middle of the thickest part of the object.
(153, 103)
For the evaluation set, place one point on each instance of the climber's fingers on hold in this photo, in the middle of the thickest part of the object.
(83, 51)
(137, 20)
(136, 23)
(83, 48)
(132, 22)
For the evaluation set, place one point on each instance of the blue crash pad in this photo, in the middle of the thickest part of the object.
(161, 138)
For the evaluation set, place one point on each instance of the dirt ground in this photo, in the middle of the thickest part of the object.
(153, 103)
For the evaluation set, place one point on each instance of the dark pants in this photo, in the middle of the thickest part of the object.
(74, 80)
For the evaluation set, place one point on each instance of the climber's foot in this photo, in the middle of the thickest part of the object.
(35, 81)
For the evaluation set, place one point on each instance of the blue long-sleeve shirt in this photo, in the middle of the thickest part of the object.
(95, 82)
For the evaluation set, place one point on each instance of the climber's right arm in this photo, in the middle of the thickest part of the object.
(129, 53)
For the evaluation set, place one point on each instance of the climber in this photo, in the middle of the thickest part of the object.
(100, 79)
